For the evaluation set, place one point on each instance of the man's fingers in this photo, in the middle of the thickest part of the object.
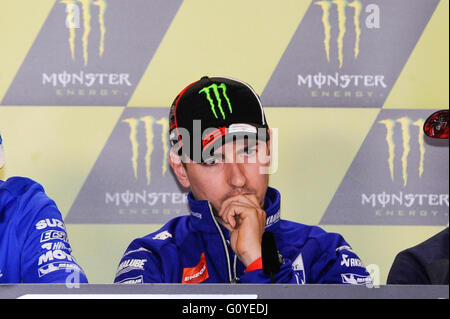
(249, 199)
(232, 213)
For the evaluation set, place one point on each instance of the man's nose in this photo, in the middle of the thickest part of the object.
(235, 173)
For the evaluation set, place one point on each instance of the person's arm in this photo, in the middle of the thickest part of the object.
(319, 263)
(324, 259)
(46, 256)
(246, 221)
(290, 273)
(337, 263)
(139, 265)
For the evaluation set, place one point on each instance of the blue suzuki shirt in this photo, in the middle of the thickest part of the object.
(196, 249)
(33, 239)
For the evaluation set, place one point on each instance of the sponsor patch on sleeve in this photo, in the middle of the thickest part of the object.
(355, 279)
(196, 274)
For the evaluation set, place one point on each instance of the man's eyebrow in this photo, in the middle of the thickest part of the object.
(238, 150)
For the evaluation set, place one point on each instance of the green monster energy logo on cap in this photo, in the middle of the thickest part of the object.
(215, 89)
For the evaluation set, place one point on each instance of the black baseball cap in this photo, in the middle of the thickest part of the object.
(212, 111)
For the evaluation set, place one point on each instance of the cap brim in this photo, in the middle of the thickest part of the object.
(233, 133)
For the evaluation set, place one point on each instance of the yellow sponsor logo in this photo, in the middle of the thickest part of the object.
(372, 21)
(340, 7)
(405, 125)
(73, 19)
(149, 123)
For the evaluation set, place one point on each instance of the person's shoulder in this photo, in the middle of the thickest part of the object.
(439, 239)
(18, 186)
(425, 263)
(27, 204)
(433, 248)
(307, 232)
(312, 236)
(171, 234)
(25, 194)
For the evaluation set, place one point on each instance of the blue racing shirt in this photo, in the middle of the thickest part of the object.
(196, 249)
(33, 240)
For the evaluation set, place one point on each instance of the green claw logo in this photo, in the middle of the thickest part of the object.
(215, 89)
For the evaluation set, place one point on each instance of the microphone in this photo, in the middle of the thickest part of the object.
(270, 259)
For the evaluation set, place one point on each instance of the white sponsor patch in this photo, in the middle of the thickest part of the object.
(355, 279)
(163, 235)
(242, 127)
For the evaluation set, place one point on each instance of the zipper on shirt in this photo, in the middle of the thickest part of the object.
(236, 279)
(224, 243)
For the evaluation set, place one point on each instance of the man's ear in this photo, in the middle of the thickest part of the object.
(179, 168)
(267, 158)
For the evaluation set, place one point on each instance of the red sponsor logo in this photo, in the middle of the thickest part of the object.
(197, 274)
(213, 136)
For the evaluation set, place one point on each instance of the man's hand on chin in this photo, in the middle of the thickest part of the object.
(243, 216)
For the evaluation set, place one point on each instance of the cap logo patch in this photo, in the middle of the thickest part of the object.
(217, 94)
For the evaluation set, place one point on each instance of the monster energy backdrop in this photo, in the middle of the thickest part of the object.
(86, 85)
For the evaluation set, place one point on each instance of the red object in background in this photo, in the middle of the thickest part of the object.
(436, 125)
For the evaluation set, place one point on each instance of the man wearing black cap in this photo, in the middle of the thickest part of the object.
(221, 150)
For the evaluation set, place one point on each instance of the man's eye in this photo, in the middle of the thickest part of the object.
(250, 151)
(211, 162)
